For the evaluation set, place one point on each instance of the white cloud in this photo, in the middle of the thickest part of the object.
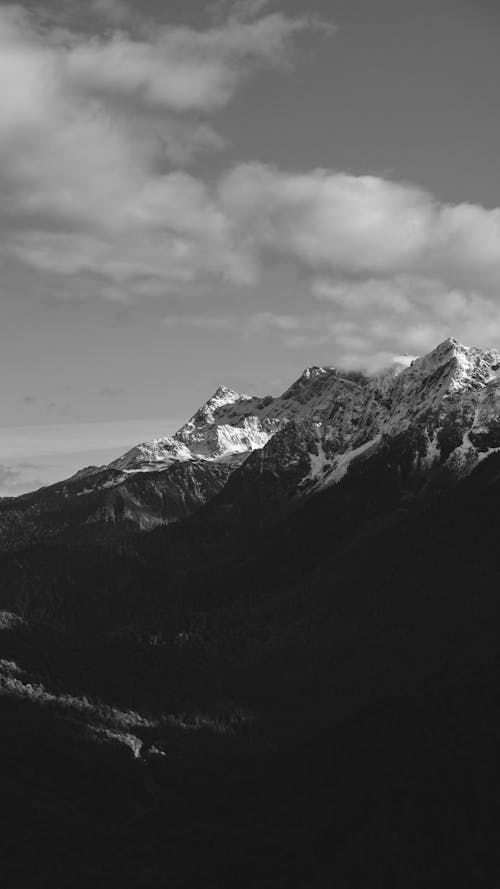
(397, 267)
(366, 321)
(363, 225)
(363, 324)
(94, 136)
(179, 68)
(88, 134)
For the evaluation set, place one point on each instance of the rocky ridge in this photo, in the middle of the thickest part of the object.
(441, 410)
(449, 399)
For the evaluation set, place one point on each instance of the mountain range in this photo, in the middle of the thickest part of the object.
(263, 652)
(445, 406)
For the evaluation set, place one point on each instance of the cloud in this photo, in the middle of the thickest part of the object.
(89, 133)
(364, 323)
(179, 68)
(397, 267)
(95, 133)
(362, 226)
(371, 318)
(65, 410)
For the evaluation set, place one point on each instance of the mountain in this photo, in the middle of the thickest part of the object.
(295, 682)
(442, 410)
(241, 467)
(444, 406)
(107, 502)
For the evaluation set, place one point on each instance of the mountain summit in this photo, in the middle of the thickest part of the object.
(442, 410)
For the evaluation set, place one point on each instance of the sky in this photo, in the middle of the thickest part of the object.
(195, 193)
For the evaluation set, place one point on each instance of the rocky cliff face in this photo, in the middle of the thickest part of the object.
(445, 405)
(441, 411)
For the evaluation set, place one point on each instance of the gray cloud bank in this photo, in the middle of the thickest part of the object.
(94, 136)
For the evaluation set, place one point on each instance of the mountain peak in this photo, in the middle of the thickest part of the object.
(444, 405)
(458, 366)
(154, 454)
(351, 408)
(223, 397)
(315, 371)
(451, 343)
(225, 392)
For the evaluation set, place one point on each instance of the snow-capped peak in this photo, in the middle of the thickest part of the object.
(460, 366)
(152, 455)
(223, 395)
(351, 409)
(449, 371)
(315, 371)
(225, 424)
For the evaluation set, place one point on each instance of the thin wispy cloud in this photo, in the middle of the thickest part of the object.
(50, 406)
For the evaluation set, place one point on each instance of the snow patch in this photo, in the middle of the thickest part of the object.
(352, 411)
(343, 461)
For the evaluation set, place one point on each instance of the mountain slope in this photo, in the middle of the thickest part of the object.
(108, 503)
(295, 684)
(357, 641)
(445, 405)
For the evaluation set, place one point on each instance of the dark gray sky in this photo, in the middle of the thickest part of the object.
(196, 193)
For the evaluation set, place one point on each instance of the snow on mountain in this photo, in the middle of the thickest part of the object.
(449, 370)
(229, 423)
(434, 416)
(450, 401)
(152, 455)
(444, 405)
(451, 392)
